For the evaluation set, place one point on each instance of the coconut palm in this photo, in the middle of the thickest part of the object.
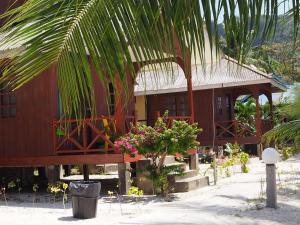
(288, 131)
(113, 35)
(245, 111)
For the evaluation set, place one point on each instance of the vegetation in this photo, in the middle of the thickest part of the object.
(156, 143)
(115, 34)
(278, 58)
(59, 187)
(287, 134)
(244, 159)
(135, 191)
(289, 131)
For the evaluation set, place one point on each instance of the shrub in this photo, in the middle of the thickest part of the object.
(135, 191)
(244, 159)
(157, 142)
(286, 152)
(233, 149)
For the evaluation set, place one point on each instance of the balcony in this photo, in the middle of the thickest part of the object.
(236, 131)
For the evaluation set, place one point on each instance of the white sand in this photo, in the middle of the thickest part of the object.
(234, 200)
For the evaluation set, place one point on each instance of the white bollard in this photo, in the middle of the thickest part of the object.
(270, 157)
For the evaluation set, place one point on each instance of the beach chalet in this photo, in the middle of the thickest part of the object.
(32, 124)
(216, 88)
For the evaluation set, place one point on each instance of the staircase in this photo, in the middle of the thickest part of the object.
(189, 180)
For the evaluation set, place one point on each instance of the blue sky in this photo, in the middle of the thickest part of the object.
(283, 7)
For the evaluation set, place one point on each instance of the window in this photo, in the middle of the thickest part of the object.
(170, 105)
(8, 102)
(111, 99)
(183, 109)
(219, 105)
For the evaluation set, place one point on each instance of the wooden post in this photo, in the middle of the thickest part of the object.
(258, 123)
(124, 177)
(86, 172)
(190, 97)
(269, 96)
(119, 117)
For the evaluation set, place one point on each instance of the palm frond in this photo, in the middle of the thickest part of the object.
(286, 132)
(113, 36)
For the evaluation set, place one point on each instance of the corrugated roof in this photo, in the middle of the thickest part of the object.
(224, 73)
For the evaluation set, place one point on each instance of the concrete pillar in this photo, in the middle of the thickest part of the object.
(271, 186)
(124, 177)
(142, 181)
(194, 162)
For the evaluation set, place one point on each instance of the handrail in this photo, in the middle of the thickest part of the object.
(84, 135)
(232, 129)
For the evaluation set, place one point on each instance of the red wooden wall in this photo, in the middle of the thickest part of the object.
(30, 132)
(203, 110)
(203, 106)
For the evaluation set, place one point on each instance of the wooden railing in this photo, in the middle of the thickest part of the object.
(84, 136)
(170, 119)
(233, 129)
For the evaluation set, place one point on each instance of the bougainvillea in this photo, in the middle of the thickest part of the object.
(159, 141)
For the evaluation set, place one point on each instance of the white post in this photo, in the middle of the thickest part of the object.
(270, 157)
(271, 186)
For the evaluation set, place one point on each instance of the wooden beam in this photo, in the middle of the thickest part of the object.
(61, 159)
(191, 98)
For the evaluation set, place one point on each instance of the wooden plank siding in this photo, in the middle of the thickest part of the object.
(29, 136)
(30, 132)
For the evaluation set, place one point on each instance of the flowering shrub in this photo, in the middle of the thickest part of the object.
(157, 142)
(127, 144)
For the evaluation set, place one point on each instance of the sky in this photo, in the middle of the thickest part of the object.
(283, 7)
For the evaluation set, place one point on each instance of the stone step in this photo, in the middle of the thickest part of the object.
(191, 183)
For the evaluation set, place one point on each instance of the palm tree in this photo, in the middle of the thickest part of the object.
(245, 111)
(289, 131)
(114, 35)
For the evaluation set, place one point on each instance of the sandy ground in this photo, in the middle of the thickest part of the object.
(234, 200)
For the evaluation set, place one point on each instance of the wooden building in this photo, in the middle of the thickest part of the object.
(215, 91)
(32, 128)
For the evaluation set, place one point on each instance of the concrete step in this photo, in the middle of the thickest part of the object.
(169, 159)
(109, 168)
(191, 183)
(187, 174)
(173, 177)
(182, 165)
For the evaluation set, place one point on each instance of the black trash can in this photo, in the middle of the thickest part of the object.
(85, 198)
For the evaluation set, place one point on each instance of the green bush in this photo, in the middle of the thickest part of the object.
(244, 159)
(286, 153)
(135, 191)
